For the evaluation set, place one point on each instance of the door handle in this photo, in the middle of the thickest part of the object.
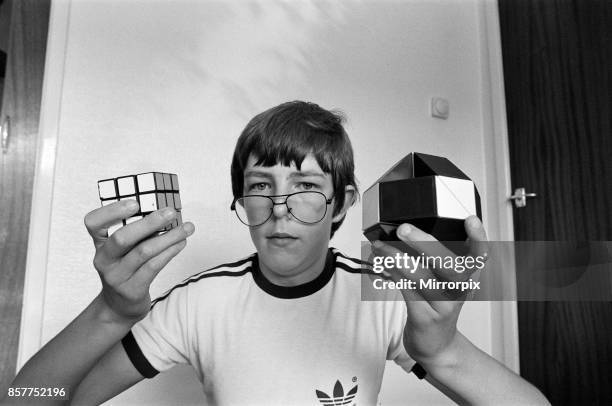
(520, 197)
(5, 132)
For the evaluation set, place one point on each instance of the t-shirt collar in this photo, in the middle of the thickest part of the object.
(294, 292)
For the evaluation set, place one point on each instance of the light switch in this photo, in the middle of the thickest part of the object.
(440, 107)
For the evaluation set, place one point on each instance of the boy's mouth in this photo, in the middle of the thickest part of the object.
(281, 236)
(281, 240)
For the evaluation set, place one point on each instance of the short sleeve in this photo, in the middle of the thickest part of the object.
(160, 340)
(396, 322)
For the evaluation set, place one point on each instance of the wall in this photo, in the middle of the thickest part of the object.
(168, 85)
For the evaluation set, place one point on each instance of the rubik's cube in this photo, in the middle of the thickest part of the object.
(152, 191)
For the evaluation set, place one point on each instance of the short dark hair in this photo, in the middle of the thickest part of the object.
(290, 131)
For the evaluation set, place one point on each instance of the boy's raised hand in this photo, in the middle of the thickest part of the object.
(453, 364)
(128, 261)
(432, 314)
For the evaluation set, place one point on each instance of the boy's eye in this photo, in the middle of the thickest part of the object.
(258, 187)
(307, 185)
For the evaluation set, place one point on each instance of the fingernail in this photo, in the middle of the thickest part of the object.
(131, 204)
(474, 221)
(168, 213)
(404, 230)
(189, 228)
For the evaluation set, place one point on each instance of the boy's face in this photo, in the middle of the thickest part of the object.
(288, 248)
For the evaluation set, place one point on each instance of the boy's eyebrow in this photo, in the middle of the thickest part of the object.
(305, 174)
(300, 174)
(257, 173)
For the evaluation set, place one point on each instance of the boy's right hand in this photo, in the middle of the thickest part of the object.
(128, 261)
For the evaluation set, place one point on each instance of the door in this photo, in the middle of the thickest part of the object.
(557, 58)
(22, 89)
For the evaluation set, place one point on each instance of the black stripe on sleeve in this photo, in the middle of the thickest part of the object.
(419, 371)
(135, 355)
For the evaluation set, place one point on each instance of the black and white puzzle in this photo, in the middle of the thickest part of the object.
(152, 191)
(427, 191)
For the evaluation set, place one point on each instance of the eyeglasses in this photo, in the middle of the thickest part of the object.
(308, 207)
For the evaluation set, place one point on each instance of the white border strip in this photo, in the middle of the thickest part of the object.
(40, 217)
(504, 318)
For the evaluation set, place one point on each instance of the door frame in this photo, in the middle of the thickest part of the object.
(499, 220)
(32, 312)
(499, 211)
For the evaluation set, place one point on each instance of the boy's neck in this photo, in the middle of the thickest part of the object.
(295, 277)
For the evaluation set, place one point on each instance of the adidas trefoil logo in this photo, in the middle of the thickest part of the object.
(339, 397)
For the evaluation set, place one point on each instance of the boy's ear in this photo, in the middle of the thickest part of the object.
(349, 200)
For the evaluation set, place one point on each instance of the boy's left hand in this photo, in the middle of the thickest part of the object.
(431, 325)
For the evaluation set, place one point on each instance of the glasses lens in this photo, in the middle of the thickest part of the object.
(253, 210)
(307, 207)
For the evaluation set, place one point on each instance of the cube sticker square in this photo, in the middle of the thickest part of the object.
(167, 182)
(146, 182)
(106, 189)
(150, 202)
(170, 200)
(175, 185)
(126, 185)
(159, 181)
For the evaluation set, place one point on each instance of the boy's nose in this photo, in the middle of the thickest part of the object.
(280, 209)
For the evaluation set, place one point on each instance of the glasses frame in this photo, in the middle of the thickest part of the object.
(274, 203)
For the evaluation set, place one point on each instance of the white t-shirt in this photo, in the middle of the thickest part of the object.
(256, 343)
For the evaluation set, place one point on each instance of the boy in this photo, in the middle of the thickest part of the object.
(283, 326)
